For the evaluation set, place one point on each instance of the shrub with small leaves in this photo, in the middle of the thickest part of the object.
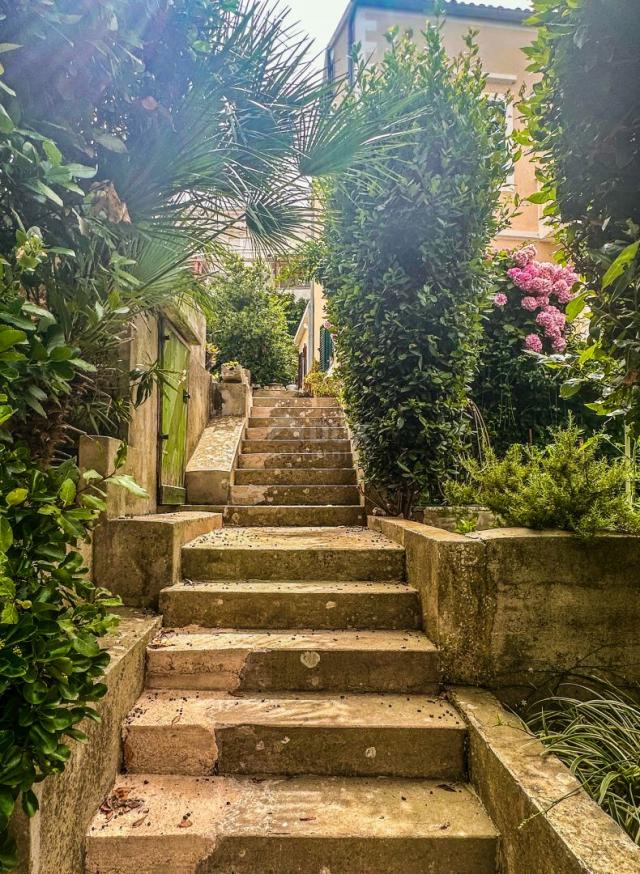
(405, 274)
(566, 485)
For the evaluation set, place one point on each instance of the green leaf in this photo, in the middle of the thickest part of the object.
(127, 482)
(6, 413)
(10, 337)
(9, 614)
(80, 171)
(67, 492)
(626, 257)
(30, 803)
(6, 122)
(17, 496)
(110, 142)
(9, 47)
(6, 535)
(577, 305)
(7, 803)
(52, 152)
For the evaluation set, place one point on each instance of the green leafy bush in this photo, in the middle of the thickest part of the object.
(588, 143)
(321, 384)
(566, 485)
(405, 274)
(247, 321)
(51, 621)
(51, 615)
(597, 735)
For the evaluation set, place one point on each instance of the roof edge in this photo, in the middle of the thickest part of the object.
(453, 8)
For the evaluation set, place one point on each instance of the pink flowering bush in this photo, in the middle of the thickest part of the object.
(518, 396)
(540, 287)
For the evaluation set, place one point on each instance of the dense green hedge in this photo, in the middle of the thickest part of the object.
(405, 272)
(584, 123)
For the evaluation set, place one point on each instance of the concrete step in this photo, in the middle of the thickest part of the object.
(305, 825)
(289, 517)
(293, 516)
(293, 461)
(302, 446)
(279, 391)
(321, 432)
(283, 422)
(293, 661)
(276, 415)
(291, 604)
(271, 495)
(204, 733)
(275, 402)
(305, 553)
(345, 476)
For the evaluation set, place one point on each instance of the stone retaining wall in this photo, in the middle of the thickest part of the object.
(511, 607)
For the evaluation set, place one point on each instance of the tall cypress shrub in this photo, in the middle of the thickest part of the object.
(405, 272)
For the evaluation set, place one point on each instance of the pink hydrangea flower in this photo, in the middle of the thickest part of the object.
(524, 256)
(501, 299)
(559, 345)
(533, 343)
(530, 303)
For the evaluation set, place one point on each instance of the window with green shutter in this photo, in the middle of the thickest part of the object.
(326, 349)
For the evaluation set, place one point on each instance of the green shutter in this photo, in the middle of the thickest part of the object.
(326, 349)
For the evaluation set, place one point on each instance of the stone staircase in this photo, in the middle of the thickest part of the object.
(292, 722)
(295, 466)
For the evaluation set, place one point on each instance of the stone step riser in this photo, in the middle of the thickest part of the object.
(296, 423)
(319, 433)
(343, 476)
(200, 750)
(206, 563)
(294, 461)
(285, 606)
(274, 495)
(295, 446)
(297, 414)
(295, 403)
(293, 670)
(293, 516)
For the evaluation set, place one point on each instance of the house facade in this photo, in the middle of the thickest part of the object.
(501, 37)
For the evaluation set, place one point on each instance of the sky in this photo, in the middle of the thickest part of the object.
(319, 18)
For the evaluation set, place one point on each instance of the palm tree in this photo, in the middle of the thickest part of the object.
(176, 124)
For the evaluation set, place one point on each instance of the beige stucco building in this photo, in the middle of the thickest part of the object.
(501, 35)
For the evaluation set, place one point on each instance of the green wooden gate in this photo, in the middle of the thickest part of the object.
(174, 411)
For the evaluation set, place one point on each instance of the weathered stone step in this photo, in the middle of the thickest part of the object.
(206, 733)
(336, 421)
(282, 605)
(276, 402)
(276, 415)
(288, 517)
(306, 553)
(293, 661)
(296, 477)
(293, 516)
(305, 825)
(279, 391)
(321, 432)
(288, 446)
(306, 495)
(293, 460)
